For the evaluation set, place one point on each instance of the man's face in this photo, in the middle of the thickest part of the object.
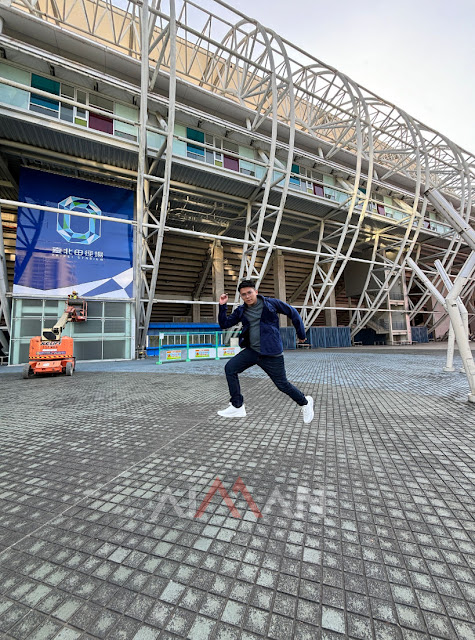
(249, 295)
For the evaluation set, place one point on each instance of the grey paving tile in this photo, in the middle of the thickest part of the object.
(392, 557)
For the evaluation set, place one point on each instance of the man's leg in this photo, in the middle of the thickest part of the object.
(275, 369)
(242, 361)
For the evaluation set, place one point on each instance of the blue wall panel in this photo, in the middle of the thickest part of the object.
(419, 334)
(289, 337)
(329, 337)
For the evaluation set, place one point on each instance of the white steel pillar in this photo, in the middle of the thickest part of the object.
(449, 365)
(150, 243)
(462, 310)
(459, 329)
(452, 307)
(140, 282)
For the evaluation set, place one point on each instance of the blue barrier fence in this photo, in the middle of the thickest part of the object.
(319, 337)
(289, 337)
(329, 337)
(419, 334)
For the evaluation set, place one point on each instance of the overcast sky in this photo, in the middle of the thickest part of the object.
(417, 54)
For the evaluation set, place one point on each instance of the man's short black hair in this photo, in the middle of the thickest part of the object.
(246, 283)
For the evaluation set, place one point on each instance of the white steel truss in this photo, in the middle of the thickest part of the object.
(149, 241)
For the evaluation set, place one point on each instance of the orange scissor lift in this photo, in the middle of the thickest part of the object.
(52, 352)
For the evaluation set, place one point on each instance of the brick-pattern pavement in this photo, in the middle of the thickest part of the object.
(102, 473)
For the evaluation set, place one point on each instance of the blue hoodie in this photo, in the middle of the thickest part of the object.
(271, 342)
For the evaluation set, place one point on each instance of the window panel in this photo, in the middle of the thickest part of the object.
(230, 146)
(126, 111)
(179, 148)
(246, 152)
(124, 130)
(45, 84)
(154, 140)
(21, 352)
(231, 163)
(24, 308)
(42, 104)
(30, 327)
(90, 326)
(246, 167)
(127, 135)
(115, 309)
(192, 151)
(114, 325)
(86, 350)
(66, 113)
(94, 309)
(45, 110)
(100, 102)
(115, 349)
(193, 134)
(10, 95)
(101, 123)
(53, 306)
(67, 91)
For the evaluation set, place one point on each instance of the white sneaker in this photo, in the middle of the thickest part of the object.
(307, 410)
(233, 412)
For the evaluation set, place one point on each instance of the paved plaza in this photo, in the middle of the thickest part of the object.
(360, 525)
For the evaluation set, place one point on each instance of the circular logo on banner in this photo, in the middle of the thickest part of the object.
(83, 205)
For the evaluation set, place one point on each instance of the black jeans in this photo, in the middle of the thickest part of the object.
(272, 365)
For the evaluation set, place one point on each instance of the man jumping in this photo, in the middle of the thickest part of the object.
(260, 336)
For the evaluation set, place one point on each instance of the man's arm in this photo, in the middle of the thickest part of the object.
(225, 321)
(293, 314)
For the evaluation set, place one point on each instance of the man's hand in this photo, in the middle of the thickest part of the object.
(223, 298)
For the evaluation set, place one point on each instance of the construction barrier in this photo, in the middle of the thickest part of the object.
(173, 346)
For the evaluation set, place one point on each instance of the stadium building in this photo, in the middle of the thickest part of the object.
(153, 173)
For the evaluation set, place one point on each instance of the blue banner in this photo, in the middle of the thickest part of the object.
(59, 252)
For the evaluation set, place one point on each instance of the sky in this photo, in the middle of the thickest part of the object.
(417, 54)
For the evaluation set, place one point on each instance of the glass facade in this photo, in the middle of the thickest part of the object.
(106, 335)
(75, 114)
